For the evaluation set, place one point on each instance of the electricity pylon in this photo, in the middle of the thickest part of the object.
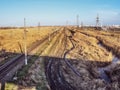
(97, 21)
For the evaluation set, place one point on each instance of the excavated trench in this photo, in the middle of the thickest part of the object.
(115, 57)
(103, 70)
(66, 74)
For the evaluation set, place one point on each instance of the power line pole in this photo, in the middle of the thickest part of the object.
(77, 21)
(25, 41)
(97, 21)
(38, 27)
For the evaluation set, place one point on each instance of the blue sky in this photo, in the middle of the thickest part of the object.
(57, 12)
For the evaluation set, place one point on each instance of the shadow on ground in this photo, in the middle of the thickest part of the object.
(45, 72)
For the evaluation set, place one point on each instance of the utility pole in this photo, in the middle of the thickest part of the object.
(25, 41)
(77, 21)
(38, 27)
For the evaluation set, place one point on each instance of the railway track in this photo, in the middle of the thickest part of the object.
(17, 62)
(53, 66)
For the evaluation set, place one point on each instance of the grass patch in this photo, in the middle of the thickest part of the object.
(11, 86)
(24, 70)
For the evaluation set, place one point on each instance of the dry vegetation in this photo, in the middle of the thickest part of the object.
(87, 48)
(12, 40)
(111, 40)
(92, 50)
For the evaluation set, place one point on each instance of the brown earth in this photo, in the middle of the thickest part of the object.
(72, 60)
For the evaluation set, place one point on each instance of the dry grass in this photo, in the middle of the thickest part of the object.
(110, 39)
(12, 40)
(87, 48)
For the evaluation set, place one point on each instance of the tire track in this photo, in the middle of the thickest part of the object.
(53, 66)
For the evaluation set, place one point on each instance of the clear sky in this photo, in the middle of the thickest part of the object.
(57, 12)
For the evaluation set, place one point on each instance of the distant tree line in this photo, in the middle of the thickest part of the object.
(8, 27)
(14, 27)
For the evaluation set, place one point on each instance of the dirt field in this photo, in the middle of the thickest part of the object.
(73, 59)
